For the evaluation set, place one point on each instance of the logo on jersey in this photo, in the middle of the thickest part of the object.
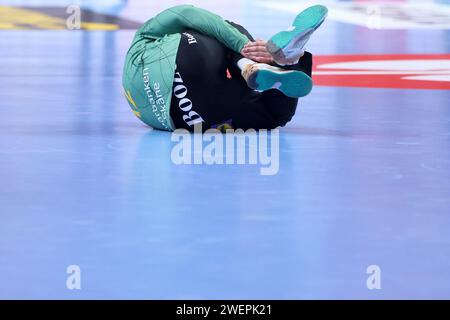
(383, 71)
(190, 117)
(132, 103)
(190, 37)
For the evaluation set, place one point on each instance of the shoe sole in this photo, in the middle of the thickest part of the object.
(305, 24)
(294, 84)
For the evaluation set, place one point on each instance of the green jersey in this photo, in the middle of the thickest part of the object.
(150, 63)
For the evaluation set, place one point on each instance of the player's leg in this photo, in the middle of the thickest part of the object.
(287, 47)
(281, 107)
(263, 77)
(268, 109)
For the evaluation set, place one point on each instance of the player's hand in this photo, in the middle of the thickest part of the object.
(257, 51)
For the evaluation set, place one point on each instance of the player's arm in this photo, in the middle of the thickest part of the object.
(182, 17)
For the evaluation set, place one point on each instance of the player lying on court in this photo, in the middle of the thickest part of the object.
(188, 66)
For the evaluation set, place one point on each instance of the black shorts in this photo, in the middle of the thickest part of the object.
(209, 88)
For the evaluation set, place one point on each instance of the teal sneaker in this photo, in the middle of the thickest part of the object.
(286, 47)
(263, 77)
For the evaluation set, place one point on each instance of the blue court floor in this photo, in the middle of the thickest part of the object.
(364, 167)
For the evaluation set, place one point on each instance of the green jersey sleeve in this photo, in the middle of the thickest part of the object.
(182, 17)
